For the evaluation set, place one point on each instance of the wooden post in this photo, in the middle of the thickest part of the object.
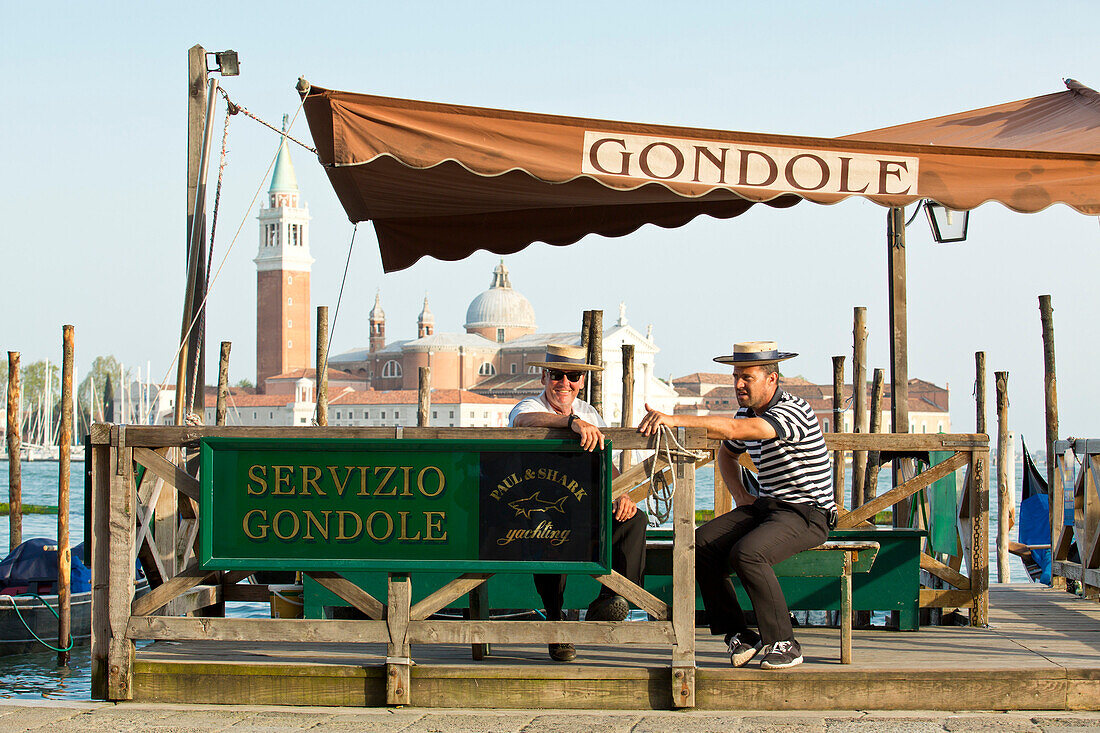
(120, 569)
(979, 537)
(223, 383)
(424, 397)
(980, 424)
(322, 365)
(398, 652)
(899, 349)
(586, 333)
(838, 427)
(201, 96)
(627, 419)
(1004, 502)
(859, 401)
(874, 461)
(479, 610)
(1050, 393)
(99, 460)
(723, 500)
(683, 580)
(15, 479)
(595, 351)
(64, 554)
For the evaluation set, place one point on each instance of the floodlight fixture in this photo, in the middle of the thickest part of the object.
(226, 63)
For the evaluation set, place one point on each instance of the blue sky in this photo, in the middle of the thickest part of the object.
(94, 176)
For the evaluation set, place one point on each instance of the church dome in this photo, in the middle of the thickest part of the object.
(500, 306)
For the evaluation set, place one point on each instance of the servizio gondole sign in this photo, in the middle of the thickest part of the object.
(397, 505)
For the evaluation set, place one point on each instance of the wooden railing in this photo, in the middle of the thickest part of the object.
(1075, 532)
(156, 520)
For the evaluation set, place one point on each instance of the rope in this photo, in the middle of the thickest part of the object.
(225, 257)
(235, 108)
(209, 259)
(22, 620)
(335, 316)
(659, 499)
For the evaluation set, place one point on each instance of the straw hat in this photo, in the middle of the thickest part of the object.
(754, 353)
(566, 358)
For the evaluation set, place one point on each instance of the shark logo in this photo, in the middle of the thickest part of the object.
(530, 505)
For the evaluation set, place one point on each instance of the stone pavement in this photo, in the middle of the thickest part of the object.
(81, 717)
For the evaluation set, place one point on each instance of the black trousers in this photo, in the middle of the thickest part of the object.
(627, 559)
(748, 541)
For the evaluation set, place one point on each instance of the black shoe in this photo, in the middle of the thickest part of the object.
(607, 608)
(782, 654)
(743, 646)
(563, 652)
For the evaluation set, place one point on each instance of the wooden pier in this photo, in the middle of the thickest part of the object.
(1041, 651)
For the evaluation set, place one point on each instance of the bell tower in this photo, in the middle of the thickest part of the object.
(282, 275)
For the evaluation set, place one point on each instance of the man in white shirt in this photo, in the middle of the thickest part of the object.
(563, 376)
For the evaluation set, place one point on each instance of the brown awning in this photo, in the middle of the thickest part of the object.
(447, 180)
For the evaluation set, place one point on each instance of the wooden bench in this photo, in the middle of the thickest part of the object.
(834, 559)
(837, 559)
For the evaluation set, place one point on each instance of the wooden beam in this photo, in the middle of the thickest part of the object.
(902, 441)
(188, 578)
(172, 474)
(350, 592)
(946, 598)
(457, 588)
(910, 487)
(523, 632)
(944, 572)
(641, 598)
(328, 631)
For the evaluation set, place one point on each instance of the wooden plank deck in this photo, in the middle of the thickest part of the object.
(1040, 651)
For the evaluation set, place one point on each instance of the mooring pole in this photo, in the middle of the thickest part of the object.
(595, 351)
(1050, 393)
(1004, 502)
(424, 396)
(322, 365)
(627, 410)
(64, 554)
(586, 334)
(874, 459)
(15, 445)
(859, 401)
(899, 340)
(223, 383)
(838, 427)
(980, 424)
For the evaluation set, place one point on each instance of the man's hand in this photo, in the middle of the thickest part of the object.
(591, 437)
(623, 508)
(654, 420)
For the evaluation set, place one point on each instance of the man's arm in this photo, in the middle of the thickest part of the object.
(730, 469)
(590, 435)
(724, 428)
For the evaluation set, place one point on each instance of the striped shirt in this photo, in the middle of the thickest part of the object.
(794, 465)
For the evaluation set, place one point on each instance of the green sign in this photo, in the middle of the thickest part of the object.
(400, 505)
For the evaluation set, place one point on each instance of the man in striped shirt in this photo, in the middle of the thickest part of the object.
(791, 512)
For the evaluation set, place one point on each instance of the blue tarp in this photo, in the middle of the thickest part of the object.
(35, 561)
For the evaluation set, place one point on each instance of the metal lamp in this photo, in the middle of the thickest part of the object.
(947, 225)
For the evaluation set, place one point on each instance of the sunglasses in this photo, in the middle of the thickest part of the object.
(557, 375)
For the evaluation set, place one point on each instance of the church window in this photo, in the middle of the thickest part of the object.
(452, 414)
(487, 369)
(253, 415)
(290, 301)
(434, 414)
(294, 235)
(337, 414)
(396, 415)
(500, 335)
(383, 414)
(515, 367)
(289, 279)
(532, 370)
(290, 344)
(391, 369)
(271, 416)
(289, 323)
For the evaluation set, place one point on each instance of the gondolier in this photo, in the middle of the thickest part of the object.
(792, 512)
(563, 376)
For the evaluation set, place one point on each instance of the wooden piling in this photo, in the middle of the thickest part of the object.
(1004, 502)
(15, 480)
(424, 397)
(595, 351)
(838, 427)
(586, 332)
(1050, 393)
(874, 460)
(64, 554)
(859, 400)
(980, 424)
(223, 383)
(322, 365)
(627, 419)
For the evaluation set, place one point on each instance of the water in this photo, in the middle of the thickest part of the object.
(38, 676)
